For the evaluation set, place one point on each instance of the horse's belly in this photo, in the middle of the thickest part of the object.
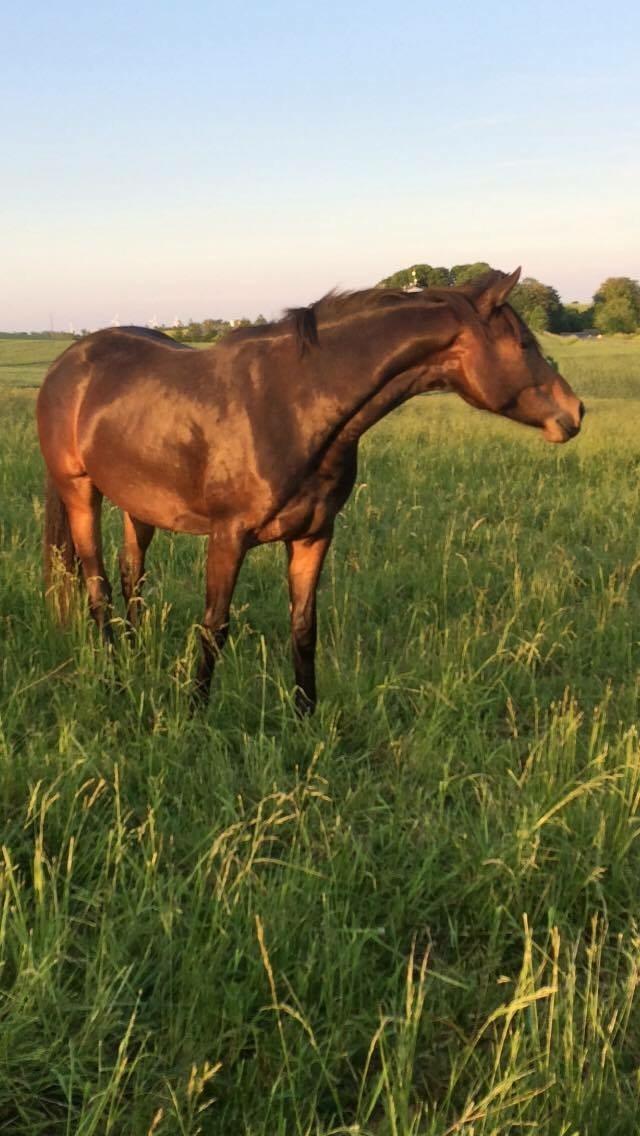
(159, 488)
(151, 502)
(171, 488)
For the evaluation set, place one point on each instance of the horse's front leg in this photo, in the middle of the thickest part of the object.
(225, 553)
(306, 557)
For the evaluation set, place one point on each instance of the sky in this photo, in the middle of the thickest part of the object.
(193, 159)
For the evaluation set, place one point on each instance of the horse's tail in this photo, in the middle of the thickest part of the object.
(60, 560)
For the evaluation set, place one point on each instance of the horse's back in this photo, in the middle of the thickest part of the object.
(120, 349)
(152, 333)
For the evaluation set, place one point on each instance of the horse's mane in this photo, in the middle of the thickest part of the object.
(337, 305)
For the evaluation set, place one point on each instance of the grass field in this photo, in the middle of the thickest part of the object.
(416, 913)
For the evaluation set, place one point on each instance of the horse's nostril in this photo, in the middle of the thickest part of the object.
(568, 425)
(582, 410)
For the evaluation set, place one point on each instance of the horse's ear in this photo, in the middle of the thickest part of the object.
(492, 291)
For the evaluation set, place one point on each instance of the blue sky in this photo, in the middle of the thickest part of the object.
(196, 159)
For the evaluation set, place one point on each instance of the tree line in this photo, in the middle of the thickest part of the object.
(208, 330)
(615, 306)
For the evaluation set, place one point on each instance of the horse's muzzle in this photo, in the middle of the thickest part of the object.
(570, 430)
(564, 426)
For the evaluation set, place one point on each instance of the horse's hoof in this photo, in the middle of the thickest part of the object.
(198, 700)
(305, 706)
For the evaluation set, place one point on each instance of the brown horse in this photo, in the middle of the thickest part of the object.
(256, 439)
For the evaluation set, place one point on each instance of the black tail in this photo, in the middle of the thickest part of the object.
(60, 561)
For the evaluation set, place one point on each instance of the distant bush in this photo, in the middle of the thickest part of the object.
(617, 305)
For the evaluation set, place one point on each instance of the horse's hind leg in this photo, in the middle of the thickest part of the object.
(137, 538)
(84, 506)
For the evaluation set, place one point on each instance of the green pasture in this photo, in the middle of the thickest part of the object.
(416, 914)
(23, 362)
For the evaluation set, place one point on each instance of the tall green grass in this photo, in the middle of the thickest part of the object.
(414, 914)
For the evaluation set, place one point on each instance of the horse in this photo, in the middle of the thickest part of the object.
(256, 438)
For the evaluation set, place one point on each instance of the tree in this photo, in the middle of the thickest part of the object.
(617, 304)
(426, 276)
(440, 278)
(540, 302)
(616, 314)
(538, 318)
(194, 331)
(212, 329)
(578, 317)
(462, 273)
(418, 276)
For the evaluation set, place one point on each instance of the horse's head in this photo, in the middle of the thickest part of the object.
(502, 368)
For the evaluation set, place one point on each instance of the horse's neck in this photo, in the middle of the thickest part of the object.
(418, 380)
(394, 363)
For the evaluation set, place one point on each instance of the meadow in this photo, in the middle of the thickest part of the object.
(415, 914)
